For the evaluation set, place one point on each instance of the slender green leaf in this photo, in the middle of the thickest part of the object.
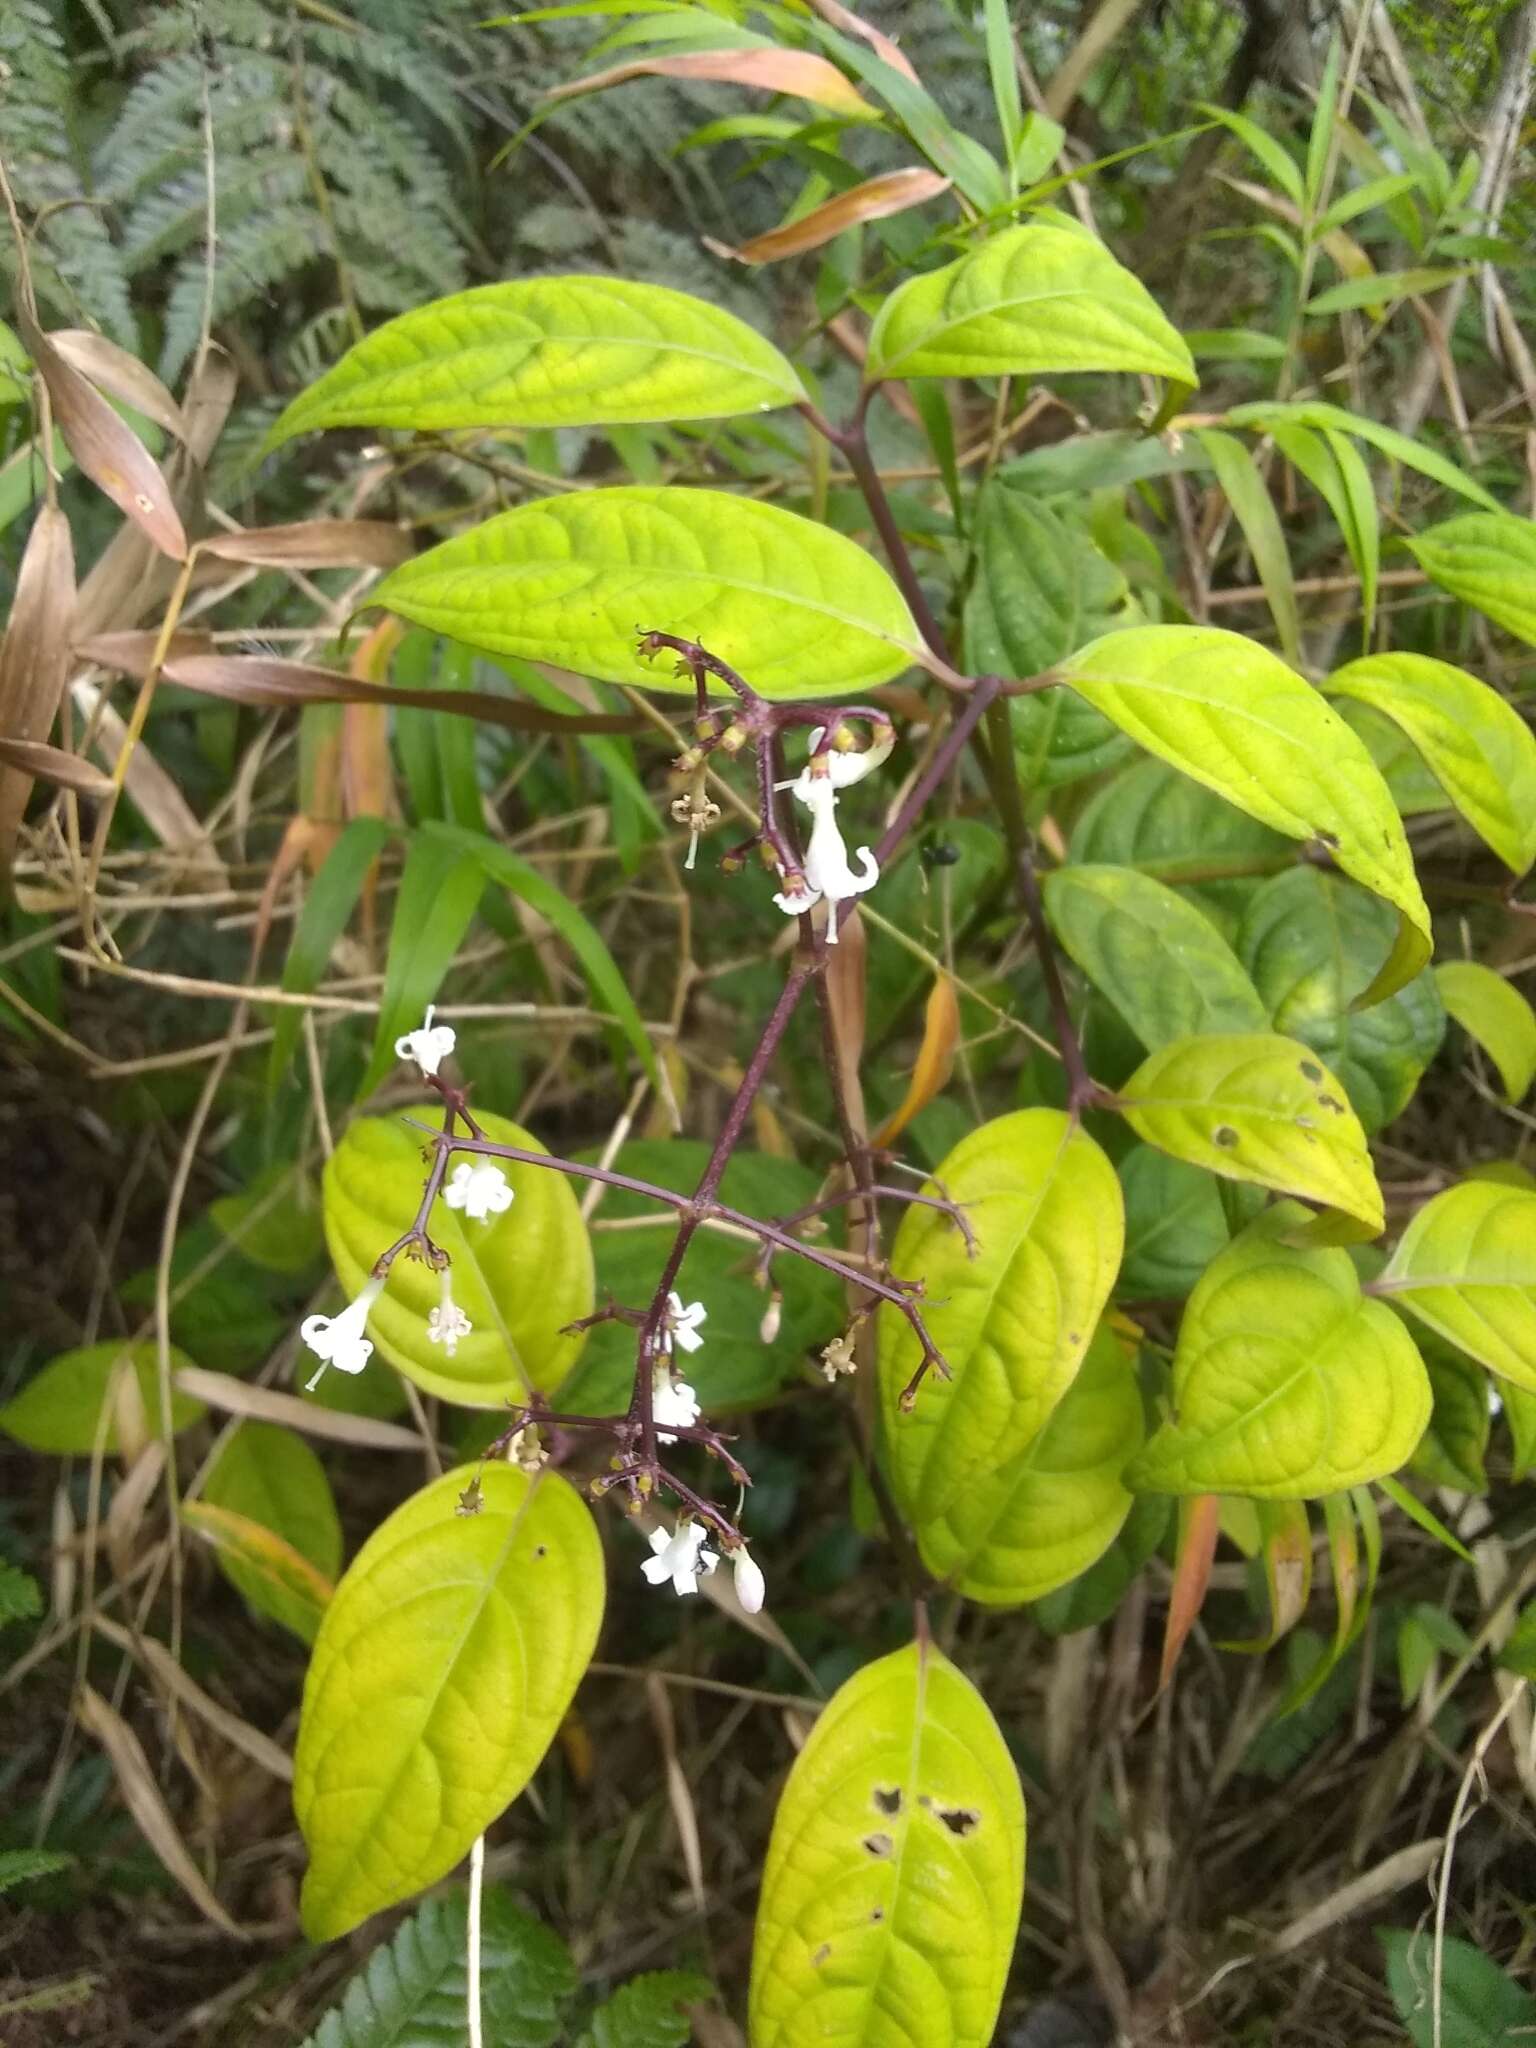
(1287, 1383)
(1248, 495)
(440, 891)
(1365, 198)
(895, 1876)
(1039, 298)
(1233, 345)
(1320, 140)
(1494, 1012)
(442, 1671)
(1004, 74)
(1270, 153)
(1259, 1109)
(1380, 289)
(1232, 715)
(330, 902)
(791, 605)
(1334, 467)
(520, 1277)
(1314, 412)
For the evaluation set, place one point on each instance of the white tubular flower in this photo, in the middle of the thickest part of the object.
(680, 1557)
(751, 1586)
(1495, 1400)
(828, 871)
(673, 1402)
(339, 1340)
(480, 1191)
(429, 1046)
(843, 769)
(448, 1323)
(682, 1324)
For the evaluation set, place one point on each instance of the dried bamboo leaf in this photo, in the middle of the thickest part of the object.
(34, 658)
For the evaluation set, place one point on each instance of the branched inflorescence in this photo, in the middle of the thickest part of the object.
(463, 1166)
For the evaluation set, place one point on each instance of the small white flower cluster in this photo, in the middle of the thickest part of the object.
(673, 1401)
(828, 871)
(681, 1556)
(429, 1046)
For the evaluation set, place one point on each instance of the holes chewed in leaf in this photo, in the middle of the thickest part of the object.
(879, 1845)
(1311, 1071)
(960, 1820)
(888, 1801)
(1225, 1136)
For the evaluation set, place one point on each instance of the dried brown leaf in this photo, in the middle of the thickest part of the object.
(1199, 1526)
(34, 658)
(141, 1795)
(112, 369)
(316, 544)
(798, 72)
(935, 1059)
(167, 1673)
(233, 1397)
(106, 448)
(845, 982)
(875, 199)
(851, 24)
(53, 764)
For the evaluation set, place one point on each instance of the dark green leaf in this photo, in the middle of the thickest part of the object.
(648, 2012)
(1481, 2006)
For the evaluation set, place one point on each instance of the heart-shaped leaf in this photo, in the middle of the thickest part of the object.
(1495, 1013)
(794, 607)
(1479, 748)
(1039, 1520)
(895, 1875)
(548, 352)
(1312, 942)
(1466, 1266)
(1287, 1383)
(1232, 715)
(519, 1277)
(1160, 961)
(1014, 1322)
(1047, 297)
(1260, 1109)
(443, 1668)
(1488, 560)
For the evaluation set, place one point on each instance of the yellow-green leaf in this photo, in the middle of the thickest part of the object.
(1466, 1266)
(549, 352)
(1160, 961)
(1231, 714)
(442, 1671)
(1046, 297)
(1014, 1322)
(520, 1277)
(1258, 1108)
(59, 1408)
(273, 1478)
(1495, 1013)
(1488, 560)
(275, 1577)
(794, 607)
(1287, 1383)
(895, 1875)
(1477, 746)
(1039, 1520)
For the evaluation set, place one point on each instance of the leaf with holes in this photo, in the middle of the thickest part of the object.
(1013, 1323)
(1478, 747)
(1488, 560)
(1261, 1109)
(895, 1875)
(1047, 297)
(794, 607)
(1287, 1383)
(1232, 715)
(444, 1666)
(1158, 959)
(60, 1408)
(411, 1992)
(1039, 1520)
(273, 1478)
(1493, 1011)
(519, 1277)
(1312, 941)
(1466, 1266)
(548, 352)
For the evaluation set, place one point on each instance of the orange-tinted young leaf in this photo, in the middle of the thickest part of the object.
(316, 544)
(893, 192)
(1287, 1554)
(106, 448)
(34, 658)
(844, 18)
(798, 72)
(112, 369)
(1199, 1526)
(935, 1059)
(262, 1551)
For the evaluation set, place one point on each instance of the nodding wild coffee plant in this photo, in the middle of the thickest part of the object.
(1149, 1303)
